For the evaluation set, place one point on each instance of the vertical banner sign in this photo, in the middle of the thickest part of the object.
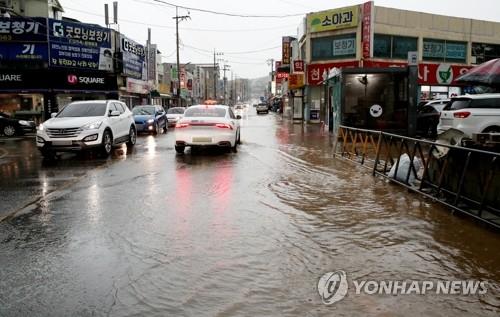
(367, 29)
(79, 45)
(152, 62)
(23, 39)
(134, 54)
(277, 65)
(285, 56)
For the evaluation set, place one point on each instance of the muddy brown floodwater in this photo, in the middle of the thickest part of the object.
(153, 233)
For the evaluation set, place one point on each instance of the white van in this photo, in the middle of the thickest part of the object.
(472, 114)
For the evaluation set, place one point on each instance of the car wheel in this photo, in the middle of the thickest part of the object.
(165, 127)
(132, 137)
(107, 143)
(179, 149)
(9, 130)
(239, 137)
(156, 129)
(493, 129)
(234, 148)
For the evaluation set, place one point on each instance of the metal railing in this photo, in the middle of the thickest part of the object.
(464, 179)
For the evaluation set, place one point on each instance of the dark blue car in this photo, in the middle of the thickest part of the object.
(150, 118)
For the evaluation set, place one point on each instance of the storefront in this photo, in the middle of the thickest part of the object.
(136, 92)
(37, 93)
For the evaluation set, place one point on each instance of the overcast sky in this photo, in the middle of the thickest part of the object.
(246, 42)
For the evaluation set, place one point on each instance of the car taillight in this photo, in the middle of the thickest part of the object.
(461, 114)
(224, 126)
(182, 125)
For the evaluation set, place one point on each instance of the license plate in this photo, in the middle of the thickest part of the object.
(62, 143)
(202, 139)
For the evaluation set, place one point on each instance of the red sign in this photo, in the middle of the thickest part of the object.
(280, 76)
(298, 66)
(296, 81)
(316, 73)
(367, 29)
(382, 64)
(278, 65)
(440, 74)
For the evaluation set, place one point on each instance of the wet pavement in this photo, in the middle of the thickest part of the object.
(148, 232)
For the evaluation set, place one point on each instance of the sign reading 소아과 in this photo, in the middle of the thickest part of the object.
(333, 19)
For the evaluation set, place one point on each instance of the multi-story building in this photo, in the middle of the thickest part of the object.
(368, 36)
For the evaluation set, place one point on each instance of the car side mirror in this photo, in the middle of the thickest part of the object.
(53, 114)
(238, 117)
(114, 113)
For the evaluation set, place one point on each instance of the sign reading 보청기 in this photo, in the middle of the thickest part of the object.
(333, 19)
(134, 58)
(23, 39)
(79, 45)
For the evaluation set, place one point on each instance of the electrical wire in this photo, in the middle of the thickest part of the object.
(227, 13)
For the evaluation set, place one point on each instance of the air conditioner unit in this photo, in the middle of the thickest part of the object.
(6, 4)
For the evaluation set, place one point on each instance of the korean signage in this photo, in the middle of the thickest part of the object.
(316, 73)
(296, 81)
(277, 65)
(23, 39)
(281, 76)
(344, 46)
(78, 45)
(333, 19)
(367, 33)
(440, 74)
(298, 66)
(444, 50)
(137, 86)
(152, 62)
(286, 50)
(134, 58)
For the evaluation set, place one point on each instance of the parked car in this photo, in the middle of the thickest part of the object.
(204, 125)
(471, 114)
(262, 107)
(10, 126)
(428, 117)
(175, 114)
(150, 118)
(83, 125)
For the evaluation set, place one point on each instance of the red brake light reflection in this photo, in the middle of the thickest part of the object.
(224, 126)
(461, 114)
(182, 125)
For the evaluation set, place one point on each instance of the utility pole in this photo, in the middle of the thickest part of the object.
(226, 68)
(216, 71)
(271, 61)
(177, 20)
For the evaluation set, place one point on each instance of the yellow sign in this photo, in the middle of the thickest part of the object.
(164, 88)
(296, 81)
(333, 19)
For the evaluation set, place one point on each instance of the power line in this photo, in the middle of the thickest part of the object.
(184, 29)
(227, 13)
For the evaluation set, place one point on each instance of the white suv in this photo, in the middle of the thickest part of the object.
(472, 114)
(85, 125)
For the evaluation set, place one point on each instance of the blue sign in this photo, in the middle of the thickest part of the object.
(134, 58)
(79, 45)
(24, 52)
(19, 29)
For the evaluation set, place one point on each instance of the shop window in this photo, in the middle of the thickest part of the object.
(390, 46)
(482, 52)
(333, 47)
(444, 51)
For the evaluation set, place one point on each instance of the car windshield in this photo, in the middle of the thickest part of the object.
(177, 110)
(205, 112)
(140, 111)
(83, 110)
(457, 104)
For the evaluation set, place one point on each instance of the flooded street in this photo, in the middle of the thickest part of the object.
(155, 233)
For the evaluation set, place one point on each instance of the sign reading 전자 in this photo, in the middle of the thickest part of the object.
(333, 19)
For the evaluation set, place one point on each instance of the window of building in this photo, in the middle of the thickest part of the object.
(482, 52)
(391, 46)
(444, 51)
(332, 47)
